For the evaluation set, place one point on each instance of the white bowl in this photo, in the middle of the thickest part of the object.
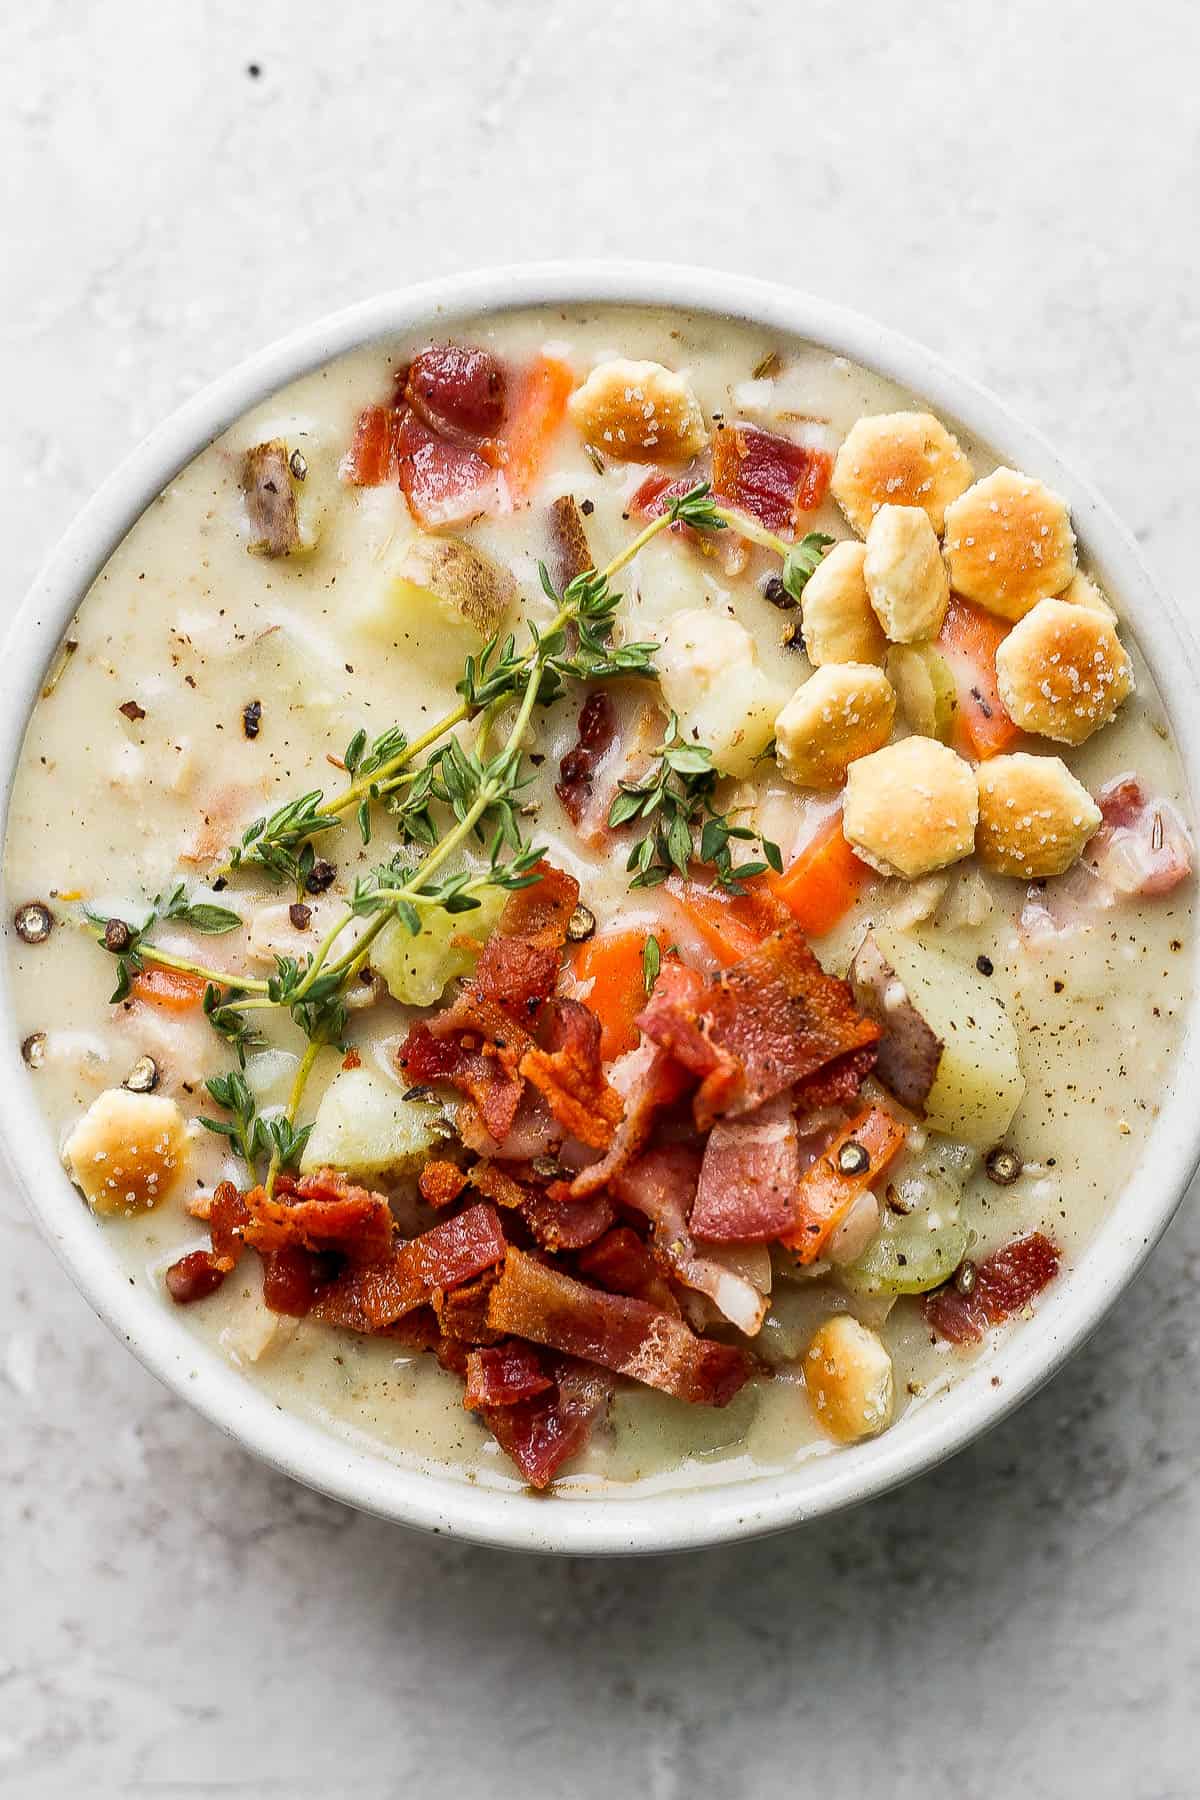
(658, 1521)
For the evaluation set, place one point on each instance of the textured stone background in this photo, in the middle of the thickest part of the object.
(1017, 186)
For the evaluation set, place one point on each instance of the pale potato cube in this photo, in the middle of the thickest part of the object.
(898, 459)
(1009, 543)
(368, 1130)
(906, 578)
(949, 1050)
(911, 808)
(848, 1379)
(713, 682)
(639, 412)
(1063, 671)
(839, 623)
(127, 1152)
(1034, 816)
(843, 711)
(437, 601)
(418, 969)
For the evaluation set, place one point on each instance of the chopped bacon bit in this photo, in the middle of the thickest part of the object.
(291, 1279)
(772, 1020)
(457, 391)
(540, 1435)
(227, 1218)
(461, 1312)
(194, 1277)
(664, 1082)
(444, 483)
(621, 1262)
(373, 458)
(501, 1374)
(573, 553)
(597, 731)
(1142, 847)
(826, 1191)
(1005, 1281)
(628, 1336)
(541, 912)
(441, 1183)
(352, 1060)
(417, 1330)
(749, 1176)
(770, 477)
(370, 1296)
(662, 1186)
(518, 966)
(485, 1069)
(320, 1212)
(657, 492)
(559, 1223)
(569, 1075)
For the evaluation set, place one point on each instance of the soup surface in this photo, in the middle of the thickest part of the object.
(685, 1202)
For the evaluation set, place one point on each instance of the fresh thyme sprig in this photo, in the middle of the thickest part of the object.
(252, 1136)
(675, 797)
(128, 943)
(575, 645)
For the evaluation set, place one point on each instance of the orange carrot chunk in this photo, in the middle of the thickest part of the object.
(852, 1163)
(824, 881)
(732, 925)
(969, 640)
(174, 990)
(613, 964)
(538, 409)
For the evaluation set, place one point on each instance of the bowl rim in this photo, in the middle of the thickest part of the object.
(662, 1519)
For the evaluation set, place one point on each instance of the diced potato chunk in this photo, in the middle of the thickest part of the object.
(418, 969)
(367, 1129)
(438, 601)
(949, 1050)
(713, 681)
(127, 1152)
(848, 1378)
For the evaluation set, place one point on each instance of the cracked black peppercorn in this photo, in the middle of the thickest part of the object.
(252, 718)
(322, 875)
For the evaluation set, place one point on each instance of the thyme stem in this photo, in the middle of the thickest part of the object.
(296, 1095)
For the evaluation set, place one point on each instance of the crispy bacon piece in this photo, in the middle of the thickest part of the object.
(444, 483)
(662, 1083)
(568, 1074)
(227, 1219)
(662, 1187)
(1005, 1281)
(1143, 847)
(556, 1221)
(749, 1176)
(621, 1262)
(534, 1131)
(772, 1021)
(502, 1374)
(518, 966)
(540, 1435)
(457, 391)
(628, 1336)
(291, 1278)
(573, 554)
(194, 1277)
(576, 770)
(370, 1296)
(319, 1212)
(768, 476)
(477, 1047)
(373, 458)
(441, 1183)
(461, 1312)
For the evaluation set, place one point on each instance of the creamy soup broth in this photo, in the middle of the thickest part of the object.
(184, 628)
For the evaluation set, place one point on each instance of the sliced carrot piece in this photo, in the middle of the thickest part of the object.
(827, 1191)
(614, 966)
(969, 640)
(730, 924)
(175, 990)
(539, 409)
(824, 881)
